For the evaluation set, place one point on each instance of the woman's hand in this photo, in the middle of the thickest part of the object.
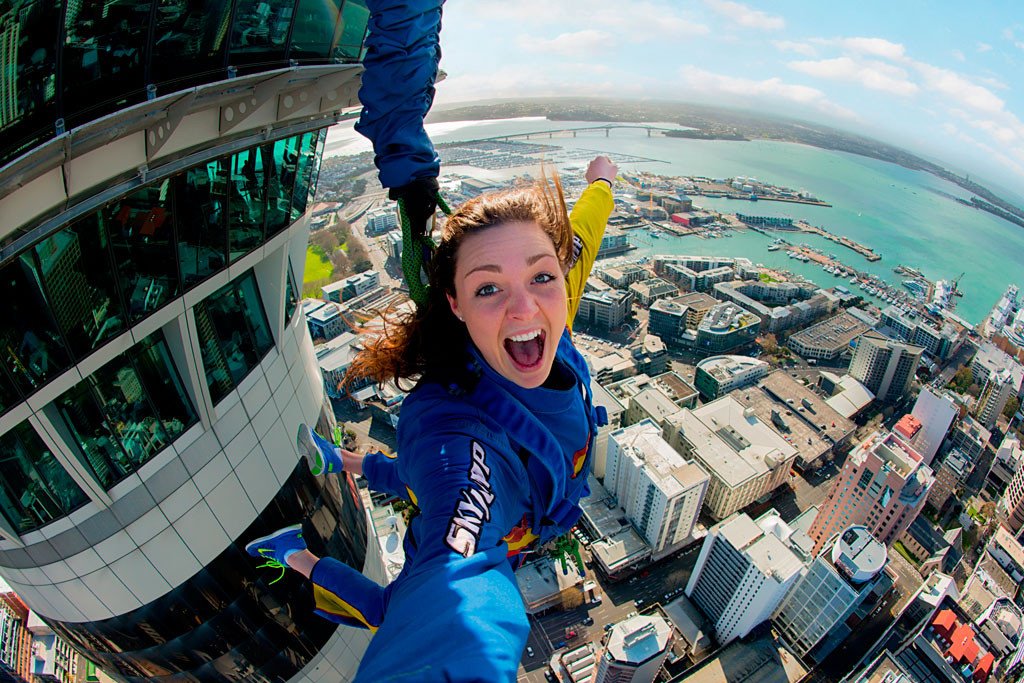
(602, 168)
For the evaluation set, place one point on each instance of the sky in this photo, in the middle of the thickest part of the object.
(941, 78)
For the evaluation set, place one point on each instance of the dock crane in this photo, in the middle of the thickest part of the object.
(956, 285)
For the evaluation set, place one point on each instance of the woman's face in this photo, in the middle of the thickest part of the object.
(510, 292)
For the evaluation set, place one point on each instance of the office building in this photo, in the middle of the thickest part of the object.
(815, 615)
(604, 310)
(1005, 464)
(613, 242)
(779, 305)
(950, 475)
(156, 365)
(615, 410)
(649, 291)
(725, 328)
(742, 573)
(380, 222)
(621, 277)
(718, 375)
(325, 320)
(702, 273)
(970, 437)
(660, 491)
(351, 287)
(934, 413)
(940, 340)
(883, 486)
(989, 360)
(885, 367)
(15, 637)
(635, 650)
(745, 457)
(670, 319)
(1012, 501)
(828, 339)
(1000, 386)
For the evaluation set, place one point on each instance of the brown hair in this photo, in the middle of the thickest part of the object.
(432, 338)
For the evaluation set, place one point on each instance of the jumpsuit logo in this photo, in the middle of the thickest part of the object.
(473, 508)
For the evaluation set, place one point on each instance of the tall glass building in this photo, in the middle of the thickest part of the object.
(157, 160)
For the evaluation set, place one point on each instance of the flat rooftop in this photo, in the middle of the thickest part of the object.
(669, 471)
(761, 660)
(834, 333)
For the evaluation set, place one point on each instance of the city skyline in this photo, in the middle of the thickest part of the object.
(944, 87)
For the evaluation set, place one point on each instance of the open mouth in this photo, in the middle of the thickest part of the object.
(527, 349)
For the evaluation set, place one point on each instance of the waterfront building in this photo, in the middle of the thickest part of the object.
(660, 491)
(474, 187)
(743, 571)
(718, 375)
(156, 365)
(779, 305)
(621, 277)
(725, 328)
(800, 417)
(939, 339)
(649, 291)
(883, 485)
(746, 458)
(950, 475)
(380, 222)
(701, 273)
(635, 650)
(613, 242)
(934, 411)
(885, 367)
(1007, 318)
(828, 339)
(819, 610)
(604, 310)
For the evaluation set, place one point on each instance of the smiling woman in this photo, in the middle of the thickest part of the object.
(493, 442)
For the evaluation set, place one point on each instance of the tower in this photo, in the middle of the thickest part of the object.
(156, 173)
(884, 366)
(635, 650)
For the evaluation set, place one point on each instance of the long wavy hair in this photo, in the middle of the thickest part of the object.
(431, 339)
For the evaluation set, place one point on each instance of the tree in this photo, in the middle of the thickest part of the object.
(341, 263)
(769, 344)
(962, 380)
(326, 240)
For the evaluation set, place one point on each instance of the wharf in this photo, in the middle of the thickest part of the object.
(866, 252)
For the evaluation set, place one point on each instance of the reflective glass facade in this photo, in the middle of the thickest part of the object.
(76, 61)
(228, 622)
(127, 411)
(84, 284)
(34, 488)
(233, 332)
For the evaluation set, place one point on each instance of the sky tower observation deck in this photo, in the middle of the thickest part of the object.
(156, 164)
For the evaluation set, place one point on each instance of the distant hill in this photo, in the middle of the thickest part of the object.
(725, 124)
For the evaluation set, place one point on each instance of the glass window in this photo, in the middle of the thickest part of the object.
(316, 31)
(127, 411)
(304, 166)
(34, 488)
(139, 227)
(33, 350)
(103, 59)
(233, 334)
(281, 164)
(28, 34)
(291, 296)
(354, 18)
(260, 30)
(79, 283)
(200, 198)
(246, 207)
(188, 42)
(9, 395)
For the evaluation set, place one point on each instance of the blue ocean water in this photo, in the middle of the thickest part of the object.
(896, 211)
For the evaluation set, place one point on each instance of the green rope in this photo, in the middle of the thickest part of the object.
(416, 250)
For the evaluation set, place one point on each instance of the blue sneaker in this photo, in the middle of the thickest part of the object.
(276, 547)
(322, 455)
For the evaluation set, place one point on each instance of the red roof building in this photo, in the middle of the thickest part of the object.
(959, 646)
(908, 426)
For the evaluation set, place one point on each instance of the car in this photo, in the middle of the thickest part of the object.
(529, 651)
(639, 602)
(596, 600)
(560, 643)
(588, 621)
(609, 627)
(548, 676)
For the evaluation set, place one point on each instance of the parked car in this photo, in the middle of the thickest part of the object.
(529, 651)
(588, 621)
(609, 627)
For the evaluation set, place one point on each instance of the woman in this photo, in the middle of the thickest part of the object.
(493, 441)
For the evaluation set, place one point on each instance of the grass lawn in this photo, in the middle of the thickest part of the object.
(317, 267)
(901, 549)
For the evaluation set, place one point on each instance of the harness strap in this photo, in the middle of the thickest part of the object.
(416, 252)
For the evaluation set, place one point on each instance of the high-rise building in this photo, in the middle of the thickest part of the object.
(883, 486)
(635, 650)
(884, 366)
(950, 475)
(745, 457)
(158, 162)
(743, 571)
(935, 413)
(997, 391)
(813, 617)
(660, 491)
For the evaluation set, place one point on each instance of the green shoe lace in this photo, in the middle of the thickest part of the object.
(271, 563)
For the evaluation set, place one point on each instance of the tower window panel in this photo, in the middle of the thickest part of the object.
(163, 385)
(291, 296)
(79, 282)
(316, 30)
(304, 168)
(101, 450)
(34, 488)
(354, 19)
(189, 42)
(141, 233)
(282, 162)
(234, 335)
(33, 350)
(200, 200)
(246, 205)
(260, 30)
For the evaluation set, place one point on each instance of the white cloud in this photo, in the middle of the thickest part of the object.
(958, 88)
(707, 82)
(878, 47)
(1019, 44)
(958, 55)
(578, 44)
(805, 49)
(746, 16)
(870, 74)
(984, 47)
(994, 82)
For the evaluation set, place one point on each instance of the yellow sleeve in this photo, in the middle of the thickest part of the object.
(589, 218)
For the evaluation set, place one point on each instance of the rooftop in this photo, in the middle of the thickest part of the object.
(668, 470)
(724, 368)
(836, 332)
(907, 426)
(764, 542)
(857, 555)
(638, 639)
